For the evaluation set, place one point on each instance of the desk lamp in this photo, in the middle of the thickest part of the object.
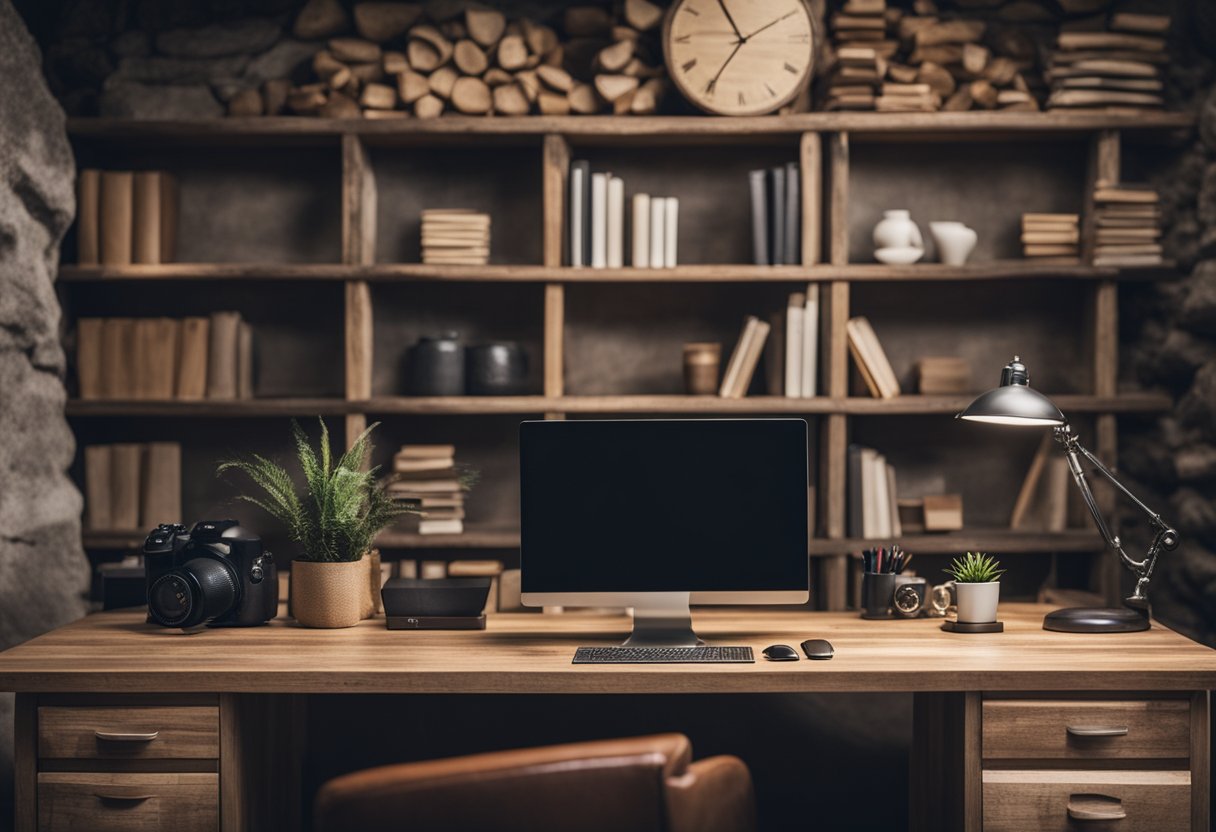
(1016, 403)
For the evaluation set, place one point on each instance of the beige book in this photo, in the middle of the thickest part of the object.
(1051, 218)
(893, 504)
(440, 526)
(1049, 227)
(192, 359)
(222, 355)
(870, 528)
(407, 465)
(97, 488)
(88, 199)
(1030, 485)
(1049, 237)
(169, 213)
(244, 361)
(871, 357)
(1127, 260)
(118, 358)
(734, 363)
(146, 218)
(126, 464)
(943, 512)
(1097, 98)
(1135, 248)
(161, 500)
(144, 357)
(1049, 250)
(115, 217)
(425, 451)
(88, 357)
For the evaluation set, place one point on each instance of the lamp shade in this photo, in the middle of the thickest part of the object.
(1015, 402)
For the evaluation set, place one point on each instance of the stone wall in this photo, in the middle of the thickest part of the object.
(43, 572)
(1169, 342)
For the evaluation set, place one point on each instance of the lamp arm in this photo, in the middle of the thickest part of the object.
(1164, 537)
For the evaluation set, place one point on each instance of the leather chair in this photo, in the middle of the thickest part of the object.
(644, 784)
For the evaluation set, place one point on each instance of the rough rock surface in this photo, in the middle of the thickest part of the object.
(43, 572)
(155, 101)
(236, 38)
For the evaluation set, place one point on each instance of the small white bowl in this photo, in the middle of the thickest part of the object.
(901, 256)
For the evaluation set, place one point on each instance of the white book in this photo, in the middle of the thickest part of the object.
(810, 342)
(616, 222)
(658, 217)
(641, 231)
(577, 198)
(794, 313)
(599, 220)
(897, 529)
(869, 514)
(882, 503)
(671, 225)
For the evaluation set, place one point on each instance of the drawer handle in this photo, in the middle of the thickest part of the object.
(1095, 807)
(114, 736)
(1096, 731)
(123, 798)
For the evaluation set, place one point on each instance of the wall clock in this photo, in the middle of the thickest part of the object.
(739, 57)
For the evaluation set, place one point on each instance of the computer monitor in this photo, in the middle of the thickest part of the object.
(658, 514)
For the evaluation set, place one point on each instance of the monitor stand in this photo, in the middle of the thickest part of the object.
(663, 619)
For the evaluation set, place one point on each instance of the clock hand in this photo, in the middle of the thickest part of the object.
(733, 25)
(765, 26)
(714, 80)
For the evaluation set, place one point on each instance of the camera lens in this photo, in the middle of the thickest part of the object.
(198, 591)
(907, 600)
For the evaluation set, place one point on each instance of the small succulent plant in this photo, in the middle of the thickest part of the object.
(975, 568)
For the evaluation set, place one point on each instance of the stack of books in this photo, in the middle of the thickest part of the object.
(132, 486)
(776, 216)
(943, 375)
(1113, 62)
(1128, 225)
(455, 237)
(424, 476)
(871, 359)
(742, 365)
(873, 507)
(859, 33)
(1051, 238)
(595, 230)
(164, 358)
(125, 217)
(792, 360)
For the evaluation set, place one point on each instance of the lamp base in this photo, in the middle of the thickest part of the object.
(1093, 620)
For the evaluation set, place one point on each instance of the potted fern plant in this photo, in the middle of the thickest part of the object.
(977, 587)
(334, 521)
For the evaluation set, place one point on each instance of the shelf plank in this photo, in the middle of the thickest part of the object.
(716, 273)
(609, 129)
(1001, 541)
(470, 539)
(533, 405)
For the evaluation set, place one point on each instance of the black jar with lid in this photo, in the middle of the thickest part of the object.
(435, 366)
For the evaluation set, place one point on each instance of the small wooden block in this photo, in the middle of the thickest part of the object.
(943, 512)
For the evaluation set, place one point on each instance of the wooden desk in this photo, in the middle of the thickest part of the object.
(993, 747)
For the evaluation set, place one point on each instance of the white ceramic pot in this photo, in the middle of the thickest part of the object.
(896, 230)
(955, 241)
(977, 602)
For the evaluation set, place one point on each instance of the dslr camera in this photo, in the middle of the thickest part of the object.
(215, 574)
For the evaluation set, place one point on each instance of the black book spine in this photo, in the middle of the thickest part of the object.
(759, 196)
(776, 214)
(854, 493)
(793, 215)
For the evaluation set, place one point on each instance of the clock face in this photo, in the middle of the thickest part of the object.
(739, 57)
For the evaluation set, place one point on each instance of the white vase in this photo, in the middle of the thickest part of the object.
(955, 241)
(977, 602)
(896, 230)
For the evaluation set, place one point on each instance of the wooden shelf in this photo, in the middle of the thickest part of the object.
(999, 541)
(610, 129)
(910, 405)
(470, 539)
(718, 273)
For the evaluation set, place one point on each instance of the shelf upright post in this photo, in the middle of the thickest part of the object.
(556, 169)
(1104, 166)
(833, 573)
(358, 249)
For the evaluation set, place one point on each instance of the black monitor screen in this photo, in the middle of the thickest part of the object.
(664, 506)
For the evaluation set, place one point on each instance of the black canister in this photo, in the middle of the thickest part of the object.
(497, 369)
(435, 366)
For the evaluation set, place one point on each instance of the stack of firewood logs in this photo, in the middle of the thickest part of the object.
(478, 62)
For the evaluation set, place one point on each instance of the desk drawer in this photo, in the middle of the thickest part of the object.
(128, 802)
(1060, 801)
(1081, 730)
(145, 732)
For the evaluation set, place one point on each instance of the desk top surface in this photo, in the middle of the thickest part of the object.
(116, 652)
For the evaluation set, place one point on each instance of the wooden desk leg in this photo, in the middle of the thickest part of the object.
(262, 742)
(944, 781)
(25, 762)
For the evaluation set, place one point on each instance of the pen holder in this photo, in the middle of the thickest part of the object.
(877, 589)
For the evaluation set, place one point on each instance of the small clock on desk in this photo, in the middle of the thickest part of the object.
(739, 57)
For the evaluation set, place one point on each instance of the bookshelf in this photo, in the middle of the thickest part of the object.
(372, 178)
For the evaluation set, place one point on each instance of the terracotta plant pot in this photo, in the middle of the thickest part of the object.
(329, 595)
(977, 602)
(372, 605)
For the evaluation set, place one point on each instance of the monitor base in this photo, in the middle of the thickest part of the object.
(665, 621)
(1091, 620)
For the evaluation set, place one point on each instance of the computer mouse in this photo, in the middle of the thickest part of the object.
(780, 653)
(817, 648)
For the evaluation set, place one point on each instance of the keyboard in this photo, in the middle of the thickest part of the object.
(664, 655)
